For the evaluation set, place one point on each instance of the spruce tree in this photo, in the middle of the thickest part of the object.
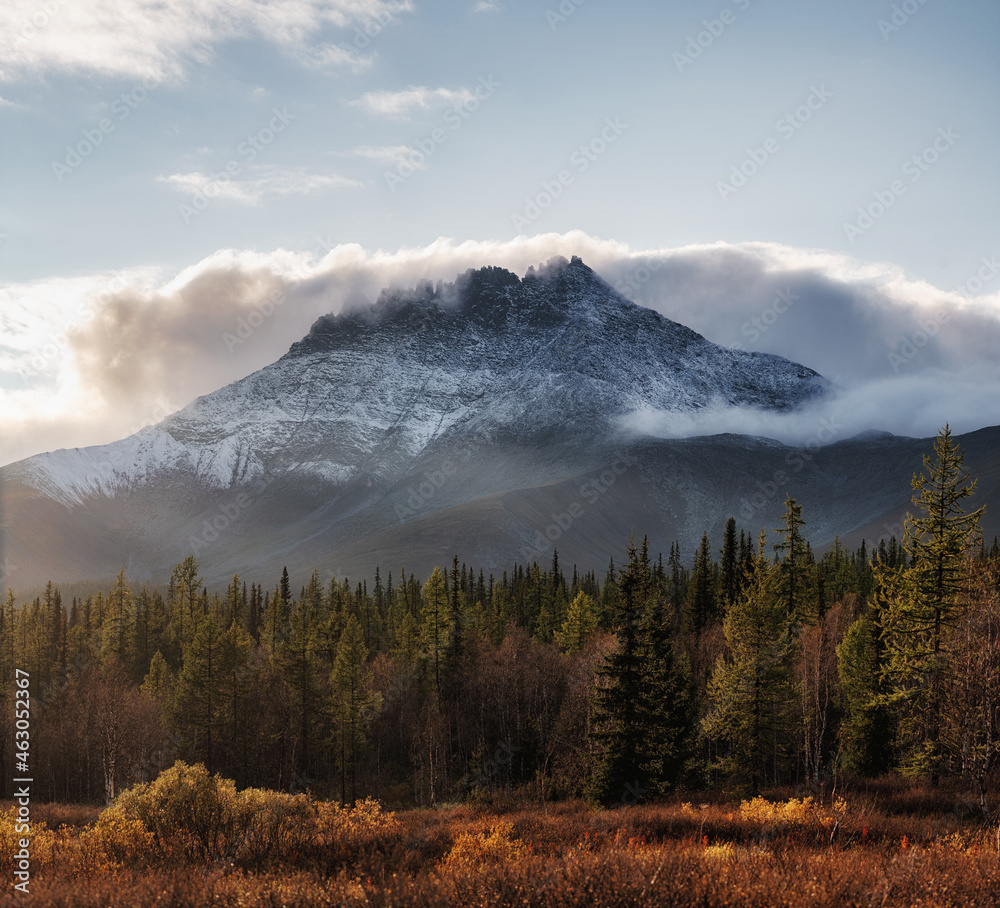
(118, 632)
(182, 604)
(235, 601)
(924, 601)
(235, 679)
(620, 771)
(700, 602)
(436, 628)
(868, 734)
(729, 568)
(667, 700)
(796, 575)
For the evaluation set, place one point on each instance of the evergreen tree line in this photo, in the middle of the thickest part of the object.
(758, 665)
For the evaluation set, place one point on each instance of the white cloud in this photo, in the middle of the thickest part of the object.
(335, 56)
(14, 105)
(152, 39)
(391, 155)
(488, 6)
(915, 406)
(140, 343)
(400, 104)
(272, 183)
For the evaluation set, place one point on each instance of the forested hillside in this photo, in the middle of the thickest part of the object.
(755, 664)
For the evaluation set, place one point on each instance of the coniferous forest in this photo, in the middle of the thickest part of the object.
(758, 664)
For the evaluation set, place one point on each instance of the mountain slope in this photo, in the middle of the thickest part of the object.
(439, 413)
(559, 354)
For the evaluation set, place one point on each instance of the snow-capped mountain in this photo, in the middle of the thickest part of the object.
(487, 417)
(490, 355)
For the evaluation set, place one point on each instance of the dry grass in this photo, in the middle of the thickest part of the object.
(894, 847)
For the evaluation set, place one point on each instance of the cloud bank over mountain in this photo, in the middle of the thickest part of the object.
(115, 352)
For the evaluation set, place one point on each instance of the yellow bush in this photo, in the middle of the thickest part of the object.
(186, 810)
(270, 825)
(722, 852)
(794, 812)
(115, 840)
(364, 821)
(496, 846)
(42, 842)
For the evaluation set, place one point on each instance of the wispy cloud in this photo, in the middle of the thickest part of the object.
(488, 6)
(11, 104)
(400, 104)
(152, 39)
(270, 184)
(391, 155)
(335, 56)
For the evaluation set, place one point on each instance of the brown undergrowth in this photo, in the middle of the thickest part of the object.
(893, 847)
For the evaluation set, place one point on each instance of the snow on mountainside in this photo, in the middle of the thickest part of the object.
(556, 355)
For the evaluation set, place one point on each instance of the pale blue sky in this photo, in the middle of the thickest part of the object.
(547, 117)
(559, 78)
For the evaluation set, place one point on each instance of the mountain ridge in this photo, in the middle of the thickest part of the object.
(462, 415)
(407, 333)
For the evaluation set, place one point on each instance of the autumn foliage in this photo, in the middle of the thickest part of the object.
(191, 839)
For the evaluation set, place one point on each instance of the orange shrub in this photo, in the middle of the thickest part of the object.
(495, 846)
